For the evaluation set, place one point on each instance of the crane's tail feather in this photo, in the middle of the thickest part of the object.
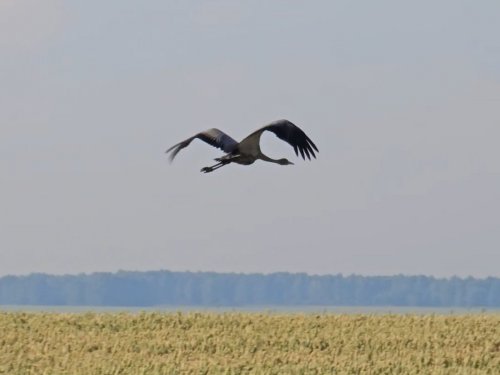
(227, 158)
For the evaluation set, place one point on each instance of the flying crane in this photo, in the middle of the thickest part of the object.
(248, 150)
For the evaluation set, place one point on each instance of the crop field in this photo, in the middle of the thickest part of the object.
(242, 343)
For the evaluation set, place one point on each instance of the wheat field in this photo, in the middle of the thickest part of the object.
(248, 343)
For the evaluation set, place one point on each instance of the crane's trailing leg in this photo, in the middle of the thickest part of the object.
(221, 162)
(213, 167)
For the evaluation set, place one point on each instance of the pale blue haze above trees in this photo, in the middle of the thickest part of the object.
(157, 288)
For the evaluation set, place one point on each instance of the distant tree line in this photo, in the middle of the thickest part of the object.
(158, 288)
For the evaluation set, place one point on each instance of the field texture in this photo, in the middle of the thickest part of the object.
(241, 343)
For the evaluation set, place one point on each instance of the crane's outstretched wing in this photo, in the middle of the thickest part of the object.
(294, 136)
(214, 137)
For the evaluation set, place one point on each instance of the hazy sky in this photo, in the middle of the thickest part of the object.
(402, 99)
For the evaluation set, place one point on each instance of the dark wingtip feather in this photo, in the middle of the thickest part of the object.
(312, 153)
(306, 151)
(174, 150)
(312, 144)
(172, 155)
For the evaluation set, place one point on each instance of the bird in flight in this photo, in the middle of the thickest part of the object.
(248, 150)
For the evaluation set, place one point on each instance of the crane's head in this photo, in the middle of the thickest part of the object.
(285, 162)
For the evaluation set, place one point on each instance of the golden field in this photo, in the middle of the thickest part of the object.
(242, 343)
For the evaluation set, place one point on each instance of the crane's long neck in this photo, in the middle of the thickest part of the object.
(267, 158)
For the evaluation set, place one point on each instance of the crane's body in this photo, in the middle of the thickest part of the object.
(248, 150)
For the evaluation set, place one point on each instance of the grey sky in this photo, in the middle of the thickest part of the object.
(402, 99)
